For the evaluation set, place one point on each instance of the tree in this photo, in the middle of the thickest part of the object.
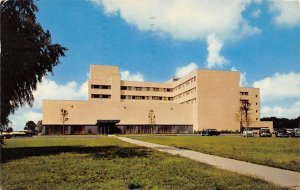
(27, 54)
(30, 126)
(151, 117)
(39, 126)
(9, 129)
(245, 108)
(64, 117)
(281, 123)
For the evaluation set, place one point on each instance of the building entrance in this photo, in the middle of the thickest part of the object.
(107, 126)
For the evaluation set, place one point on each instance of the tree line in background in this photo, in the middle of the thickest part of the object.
(280, 123)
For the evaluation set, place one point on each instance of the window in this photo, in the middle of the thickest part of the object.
(148, 88)
(123, 87)
(138, 88)
(123, 97)
(156, 98)
(95, 95)
(156, 89)
(138, 97)
(256, 111)
(104, 96)
(256, 96)
(244, 93)
(256, 103)
(94, 86)
(105, 87)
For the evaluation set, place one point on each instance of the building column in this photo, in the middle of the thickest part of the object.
(44, 130)
(69, 130)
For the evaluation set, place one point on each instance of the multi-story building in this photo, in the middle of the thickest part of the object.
(203, 99)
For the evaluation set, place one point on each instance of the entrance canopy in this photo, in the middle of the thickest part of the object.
(107, 122)
(107, 126)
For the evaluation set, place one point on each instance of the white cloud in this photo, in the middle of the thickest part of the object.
(278, 111)
(287, 12)
(279, 86)
(186, 20)
(48, 89)
(183, 71)
(214, 46)
(126, 75)
(182, 19)
(243, 79)
(256, 13)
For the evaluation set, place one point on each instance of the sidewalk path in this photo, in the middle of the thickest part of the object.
(284, 178)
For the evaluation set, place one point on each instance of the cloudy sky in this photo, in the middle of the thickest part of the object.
(154, 40)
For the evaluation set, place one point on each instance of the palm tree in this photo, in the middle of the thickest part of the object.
(244, 109)
(64, 117)
(151, 117)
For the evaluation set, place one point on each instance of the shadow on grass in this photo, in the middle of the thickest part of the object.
(103, 152)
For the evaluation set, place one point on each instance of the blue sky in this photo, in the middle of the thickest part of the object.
(156, 40)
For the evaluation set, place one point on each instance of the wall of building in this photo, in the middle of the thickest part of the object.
(88, 112)
(218, 99)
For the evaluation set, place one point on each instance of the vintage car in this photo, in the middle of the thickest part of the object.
(265, 132)
(210, 132)
(248, 132)
(281, 133)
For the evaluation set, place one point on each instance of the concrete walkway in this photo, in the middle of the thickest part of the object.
(284, 178)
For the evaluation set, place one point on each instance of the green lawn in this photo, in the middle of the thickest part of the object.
(107, 163)
(276, 152)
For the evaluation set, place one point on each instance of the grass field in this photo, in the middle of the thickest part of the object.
(107, 163)
(276, 152)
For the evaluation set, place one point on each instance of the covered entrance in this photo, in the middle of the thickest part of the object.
(107, 126)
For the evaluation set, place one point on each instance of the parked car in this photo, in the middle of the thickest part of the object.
(265, 132)
(296, 132)
(290, 131)
(281, 133)
(248, 133)
(211, 132)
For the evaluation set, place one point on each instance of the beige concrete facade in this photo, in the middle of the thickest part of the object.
(202, 99)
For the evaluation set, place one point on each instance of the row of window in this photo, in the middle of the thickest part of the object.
(158, 89)
(246, 94)
(102, 96)
(129, 97)
(190, 91)
(146, 89)
(185, 83)
(94, 86)
(256, 103)
(192, 101)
